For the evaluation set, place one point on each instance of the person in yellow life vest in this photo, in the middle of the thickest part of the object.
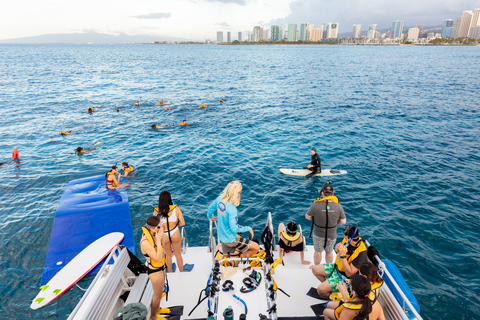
(203, 106)
(80, 150)
(221, 101)
(152, 249)
(66, 133)
(326, 213)
(352, 253)
(290, 239)
(136, 104)
(126, 169)
(172, 218)
(113, 179)
(363, 306)
(184, 123)
(90, 110)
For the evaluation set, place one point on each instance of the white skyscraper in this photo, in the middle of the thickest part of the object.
(332, 30)
(397, 29)
(465, 24)
(456, 27)
(256, 34)
(310, 32)
(357, 30)
(219, 36)
(413, 33)
(371, 31)
(475, 21)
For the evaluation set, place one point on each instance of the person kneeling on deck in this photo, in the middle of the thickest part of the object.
(326, 213)
(363, 306)
(352, 253)
(151, 247)
(289, 239)
(226, 207)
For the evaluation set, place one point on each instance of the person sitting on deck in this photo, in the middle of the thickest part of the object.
(289, 239)
(152, 249)
(352, 253)
(363, 306)
(172, 218)
(226, 208)
(113, 179)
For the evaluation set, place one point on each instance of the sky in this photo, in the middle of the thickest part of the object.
(201, 19)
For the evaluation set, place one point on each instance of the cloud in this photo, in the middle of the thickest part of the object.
(223, 24)
(154, 15)
(239, 2)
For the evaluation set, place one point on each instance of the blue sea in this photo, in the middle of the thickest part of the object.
(403, 121)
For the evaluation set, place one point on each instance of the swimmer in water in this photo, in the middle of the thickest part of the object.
(80, 150)
(66, 133)
(221, 101)
(136, 104)
(184, 123)
(118, 109)
(155, 126)
(203, 106)
(90, 110)
(126, 169)
(113, 179)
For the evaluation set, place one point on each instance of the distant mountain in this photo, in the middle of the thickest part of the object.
(91, 37)
(385, 30)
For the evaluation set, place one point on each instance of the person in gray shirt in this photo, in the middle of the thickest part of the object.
(326, 213)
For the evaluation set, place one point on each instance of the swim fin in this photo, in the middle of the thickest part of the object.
(314, 294)
(171, 311)
(188, 267)
(173, 267)
(318, 309)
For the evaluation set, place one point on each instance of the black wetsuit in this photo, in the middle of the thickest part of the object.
(317, 165)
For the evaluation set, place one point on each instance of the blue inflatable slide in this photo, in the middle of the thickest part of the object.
(86, 212)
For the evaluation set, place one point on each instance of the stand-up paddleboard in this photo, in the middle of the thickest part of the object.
(304, 172)
(76, 269)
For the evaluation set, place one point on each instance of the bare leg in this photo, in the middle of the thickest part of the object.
(168, 252)
(329, 257)
(252, 249)
(158, 282)
(177, 249)
(324, 289)
(329, 314)
(319, 272)
(302, 257)
(317, 258)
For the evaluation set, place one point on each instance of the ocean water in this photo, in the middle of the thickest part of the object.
(403, 121)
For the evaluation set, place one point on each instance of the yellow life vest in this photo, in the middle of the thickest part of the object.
(290, 238)
(331, 198)
(113, 181)
(221, 101)
(352, 306)
(152, 262)
(171, 207)
(184, 124)
(128, 169)
(64, 133)
(361, 247)
(83, 151)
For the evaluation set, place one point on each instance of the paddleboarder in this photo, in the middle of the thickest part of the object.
(316, 165)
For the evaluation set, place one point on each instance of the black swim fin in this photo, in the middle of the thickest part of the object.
(314, 294)
(318, 309)
(173, 311)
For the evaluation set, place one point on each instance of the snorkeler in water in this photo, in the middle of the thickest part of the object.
(221, 101)
(93, 147)
(184, 123)
(155, 126)
(203, 106)
(127, 169)
(66, 133)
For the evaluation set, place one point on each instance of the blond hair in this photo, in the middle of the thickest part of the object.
(231, 193)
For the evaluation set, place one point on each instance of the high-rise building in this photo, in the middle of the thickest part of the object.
(317, 34)
(357, 30)
(309, 32)
(413, 33)
(456, 27)
(465, 24)
(397, 29)
(240, 36)
(332, 32)
(475, 21)
(447, 28)
(249, 36)
(256, 34)
(377, 35)
(266, 34)
(219, 36)
(229, 36)
(275, 33)
(261, 34)
(474, 33)
(371, 31)
(292, 32)
(303, 31)
(280, 33)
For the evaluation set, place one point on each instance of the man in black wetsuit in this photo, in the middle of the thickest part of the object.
(316, 165)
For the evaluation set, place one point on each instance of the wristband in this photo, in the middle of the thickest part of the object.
(343, 257)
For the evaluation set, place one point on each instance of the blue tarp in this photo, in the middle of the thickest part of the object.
(86, 212)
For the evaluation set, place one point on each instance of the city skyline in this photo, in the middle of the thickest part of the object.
(206, 17)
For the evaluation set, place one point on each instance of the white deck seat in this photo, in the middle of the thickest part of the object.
(137, 289)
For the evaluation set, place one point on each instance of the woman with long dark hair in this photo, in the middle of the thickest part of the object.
(363, 306)
(370, 271)
(172, 218)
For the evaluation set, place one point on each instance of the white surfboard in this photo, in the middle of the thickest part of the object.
(76, 269)
(304, 172)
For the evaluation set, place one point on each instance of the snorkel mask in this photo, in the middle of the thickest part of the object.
(353, 230)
